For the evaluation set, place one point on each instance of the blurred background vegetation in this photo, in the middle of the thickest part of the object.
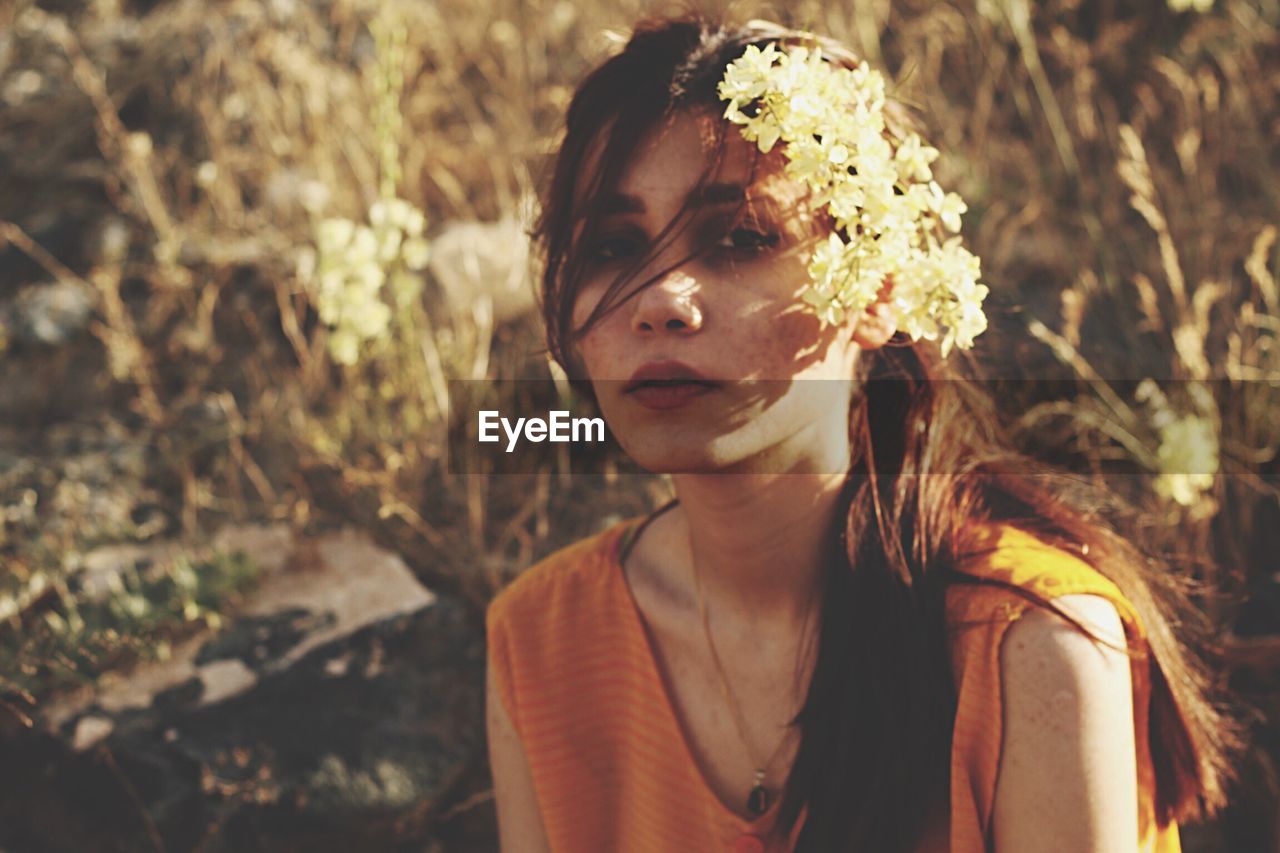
(245, 246)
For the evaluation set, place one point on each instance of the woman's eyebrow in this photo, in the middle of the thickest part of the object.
(710, 195)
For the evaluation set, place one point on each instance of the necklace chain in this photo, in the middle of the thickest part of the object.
(757, 801)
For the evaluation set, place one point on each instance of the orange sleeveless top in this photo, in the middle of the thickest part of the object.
(610, 764)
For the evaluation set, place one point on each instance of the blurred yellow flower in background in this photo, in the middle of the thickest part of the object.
(355, 268)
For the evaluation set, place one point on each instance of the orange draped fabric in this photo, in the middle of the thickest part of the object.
(611, 767)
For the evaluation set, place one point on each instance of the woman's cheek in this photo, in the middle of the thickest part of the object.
(583, 305)
(797, 339)
(595, 352)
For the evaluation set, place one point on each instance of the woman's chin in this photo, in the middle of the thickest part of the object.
(676, 461)
(671, 454)
(716, 456)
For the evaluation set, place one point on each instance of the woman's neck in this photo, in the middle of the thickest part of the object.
(756, 540)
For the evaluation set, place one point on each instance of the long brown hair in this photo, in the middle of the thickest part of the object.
(929, 458)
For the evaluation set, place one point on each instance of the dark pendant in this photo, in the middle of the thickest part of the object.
(758, 800)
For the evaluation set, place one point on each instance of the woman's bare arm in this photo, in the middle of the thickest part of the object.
(520, 827)
(1068, 776)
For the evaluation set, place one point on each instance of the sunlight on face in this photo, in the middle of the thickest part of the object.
(735, 374)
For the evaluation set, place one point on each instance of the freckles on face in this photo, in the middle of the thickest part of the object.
(743, 281)
(798, 346)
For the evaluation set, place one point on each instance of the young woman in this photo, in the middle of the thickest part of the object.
(864, 623)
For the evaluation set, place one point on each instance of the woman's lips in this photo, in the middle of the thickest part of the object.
(669, 394)
(667, 384)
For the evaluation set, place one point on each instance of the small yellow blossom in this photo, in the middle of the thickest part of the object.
(1187, 456)
(355, 268)
(913, 159)
(744, 81)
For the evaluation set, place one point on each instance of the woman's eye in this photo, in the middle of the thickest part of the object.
(747, 240)
(613, 248)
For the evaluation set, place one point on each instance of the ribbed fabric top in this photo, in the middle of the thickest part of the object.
(611, 767)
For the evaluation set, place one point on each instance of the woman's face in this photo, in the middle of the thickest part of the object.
(717, 365)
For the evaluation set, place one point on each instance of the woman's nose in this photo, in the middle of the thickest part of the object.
(670, 305)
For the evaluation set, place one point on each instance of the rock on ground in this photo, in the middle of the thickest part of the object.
(337, 711)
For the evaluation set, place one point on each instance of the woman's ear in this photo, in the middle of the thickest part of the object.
(877, 324)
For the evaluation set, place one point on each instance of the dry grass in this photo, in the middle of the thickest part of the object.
(173, 159)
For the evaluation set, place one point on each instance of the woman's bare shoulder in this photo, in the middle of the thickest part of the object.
(1067, 777)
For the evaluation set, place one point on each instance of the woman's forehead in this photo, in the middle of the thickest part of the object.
(689, 155)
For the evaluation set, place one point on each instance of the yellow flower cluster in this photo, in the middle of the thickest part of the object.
(882, 196)
(1188, 451)
(352, 265)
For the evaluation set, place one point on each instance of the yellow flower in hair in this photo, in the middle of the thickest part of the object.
(746, 79)
(881, 193)
(913, 159)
